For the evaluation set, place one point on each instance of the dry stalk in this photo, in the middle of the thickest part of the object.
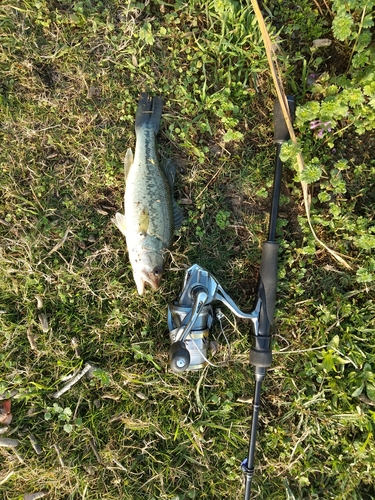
(72, 381)
(275, 72)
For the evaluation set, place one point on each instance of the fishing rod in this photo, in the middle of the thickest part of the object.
(191, 316)
(261, 351)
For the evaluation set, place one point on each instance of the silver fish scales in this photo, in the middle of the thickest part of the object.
(151, 214)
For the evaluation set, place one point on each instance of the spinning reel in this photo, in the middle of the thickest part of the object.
(191, 317)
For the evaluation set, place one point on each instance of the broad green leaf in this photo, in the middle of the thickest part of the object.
(370, 391)
(145, 34)
(367, 242)
(232, 135)
(328, 363)
(364, 275)
(342, 26)
(312, 172)
(342, 164)
(358, 391)
(68, 428)
(308, 111)
(68, 412)
(324, 196)
(335, 341)
(288, 151)
(332, 108)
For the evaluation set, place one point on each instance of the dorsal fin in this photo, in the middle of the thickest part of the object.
(128, 162)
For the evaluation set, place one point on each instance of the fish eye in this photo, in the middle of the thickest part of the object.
(157, 271)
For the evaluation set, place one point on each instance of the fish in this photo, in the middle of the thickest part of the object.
(151, 213)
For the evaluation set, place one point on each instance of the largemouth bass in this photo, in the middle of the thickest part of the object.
(151, 214)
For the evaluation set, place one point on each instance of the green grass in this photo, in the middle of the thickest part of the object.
(70, 76)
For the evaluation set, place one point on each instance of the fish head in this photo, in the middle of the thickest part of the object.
(147, 260)
(150, 270)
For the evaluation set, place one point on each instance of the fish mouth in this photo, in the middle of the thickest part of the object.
(152, 278)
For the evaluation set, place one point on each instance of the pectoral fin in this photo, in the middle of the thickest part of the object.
(120, 222)
(144, 221)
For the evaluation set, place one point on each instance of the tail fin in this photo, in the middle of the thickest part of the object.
(148, 113)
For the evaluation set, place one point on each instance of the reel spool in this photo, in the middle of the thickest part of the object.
(190, 318)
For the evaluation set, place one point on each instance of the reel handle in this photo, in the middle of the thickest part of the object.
(261, 352)
(179, 357)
